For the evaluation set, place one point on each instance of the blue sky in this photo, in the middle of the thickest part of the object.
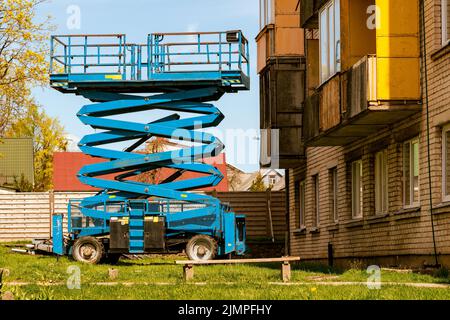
(136, 19)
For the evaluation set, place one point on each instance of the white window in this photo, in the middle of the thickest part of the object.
(445, 18)
(302, 206)
(411, 173)
(266, 13)
(381, 182)
(446, 163)
(357, 189)
(330, 39)
(334, 194)
(316, 217)
(272, 179)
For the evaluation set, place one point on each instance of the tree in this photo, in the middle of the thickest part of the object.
(155, 145)
(258, 184)
(234, 179)
(23, 48)
(22, 184)
(48, 137)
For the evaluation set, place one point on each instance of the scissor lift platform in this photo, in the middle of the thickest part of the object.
(178, 74)
(167, 62)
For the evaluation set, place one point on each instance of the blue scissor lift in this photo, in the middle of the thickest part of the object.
(177, 74)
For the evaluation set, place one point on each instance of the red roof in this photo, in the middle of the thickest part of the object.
(67, 164)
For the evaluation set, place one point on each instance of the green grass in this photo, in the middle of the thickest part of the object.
(159, 278)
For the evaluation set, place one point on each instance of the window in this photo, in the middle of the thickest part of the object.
(266, 13)
(445, 18)
(302, 206)
(272, 179)
(330, 39)
(411, 173)
(333, 194)
(315, 188)
(381, 182)
(446, 163)
(357, 189)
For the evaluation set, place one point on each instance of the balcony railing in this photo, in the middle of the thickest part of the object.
(165, 56)
(347, 107)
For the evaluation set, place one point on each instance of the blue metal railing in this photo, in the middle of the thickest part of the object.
(164, 55)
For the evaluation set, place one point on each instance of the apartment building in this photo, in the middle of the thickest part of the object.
(373, 182)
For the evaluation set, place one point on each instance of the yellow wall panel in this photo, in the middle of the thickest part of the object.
(398, 79)
(398, 65)
(286, 6)
(398, 17)
(357, 40)
(262, 52)
(288, 20)
(289, 41)
(402, 47)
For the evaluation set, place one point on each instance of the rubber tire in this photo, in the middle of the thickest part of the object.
(98, 246)
(211, 242)
(113, 258)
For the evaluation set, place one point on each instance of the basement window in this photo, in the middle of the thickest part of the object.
(446, 163)
(381, 182)
(357, 189)
(330, 39)
(445, 18)
(411, 173)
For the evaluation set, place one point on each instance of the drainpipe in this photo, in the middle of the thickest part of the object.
(287, 241)
(425, 67)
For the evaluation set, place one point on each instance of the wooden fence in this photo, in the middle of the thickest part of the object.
(24, 216)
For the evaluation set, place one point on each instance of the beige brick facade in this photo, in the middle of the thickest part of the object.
(402, 236)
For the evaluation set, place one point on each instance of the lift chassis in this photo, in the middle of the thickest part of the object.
(180, 79)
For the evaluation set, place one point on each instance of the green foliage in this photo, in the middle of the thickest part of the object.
(442, 273)
(23, 63)
(157, 277)
(48, 137)
(22, 184)
(258, 184)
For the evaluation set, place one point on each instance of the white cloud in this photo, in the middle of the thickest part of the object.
(72, 145)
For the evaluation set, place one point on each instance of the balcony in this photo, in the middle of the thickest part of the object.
(349, 107)
(282, 84)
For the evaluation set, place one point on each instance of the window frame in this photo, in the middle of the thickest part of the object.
(316, 195)
(334, 194)
(302, 204)
(336, 67)
(384, 176)
(412, 203)
(266, 13)
(445, 20)
(272, 179)
(360, 191)
(445, 196)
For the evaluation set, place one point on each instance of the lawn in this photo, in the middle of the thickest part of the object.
(45, 277)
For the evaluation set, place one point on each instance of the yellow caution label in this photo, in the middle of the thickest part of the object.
(112, 197)
(184, 196)
(113, 77)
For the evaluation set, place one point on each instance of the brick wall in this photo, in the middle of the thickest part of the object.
(401, 236)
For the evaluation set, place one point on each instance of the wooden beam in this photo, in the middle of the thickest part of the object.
(238, 261)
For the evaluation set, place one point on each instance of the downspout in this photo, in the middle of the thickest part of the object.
(288, 224)
(425, 67)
